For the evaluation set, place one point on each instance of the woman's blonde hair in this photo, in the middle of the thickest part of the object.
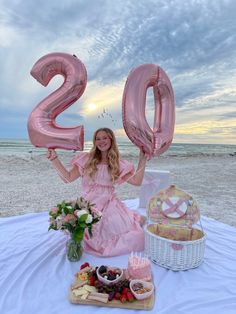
(95, 156)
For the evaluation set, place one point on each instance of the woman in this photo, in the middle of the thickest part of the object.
(119, 231)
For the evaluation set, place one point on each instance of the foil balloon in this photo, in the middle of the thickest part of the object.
(42, 128)
(153, 141)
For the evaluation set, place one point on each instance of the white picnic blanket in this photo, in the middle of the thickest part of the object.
(35, 274)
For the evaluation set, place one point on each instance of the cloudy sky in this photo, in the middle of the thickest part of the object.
(194, 41)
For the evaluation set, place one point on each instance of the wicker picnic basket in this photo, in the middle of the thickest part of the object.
(170, 239)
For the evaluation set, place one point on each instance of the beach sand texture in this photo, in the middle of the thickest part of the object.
(31, 184)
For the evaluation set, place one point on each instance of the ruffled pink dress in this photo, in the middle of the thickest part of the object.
(118, 232)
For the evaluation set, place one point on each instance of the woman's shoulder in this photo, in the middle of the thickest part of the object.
(123, 163)
(126, 167)
(80, 159)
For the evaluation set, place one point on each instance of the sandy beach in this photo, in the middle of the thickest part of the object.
(31, 184)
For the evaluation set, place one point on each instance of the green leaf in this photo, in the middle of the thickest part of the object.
(83, 225)
(52, 228)
(68, 226)
(90, 232)
(83, 218)
(96, 220)
(78, 234)
(66, 210)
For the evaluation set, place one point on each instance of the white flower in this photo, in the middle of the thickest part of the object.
(89, 219)
(59, 222)
(69, 207)
(81, 212)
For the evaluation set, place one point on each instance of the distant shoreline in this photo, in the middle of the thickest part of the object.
(126, 140)
(19, 147)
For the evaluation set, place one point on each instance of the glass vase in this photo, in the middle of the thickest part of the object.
(74, 250)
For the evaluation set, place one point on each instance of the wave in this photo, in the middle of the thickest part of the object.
(127, 149)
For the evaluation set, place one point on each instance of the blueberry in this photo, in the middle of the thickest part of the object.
(111, 277)
(102, 269)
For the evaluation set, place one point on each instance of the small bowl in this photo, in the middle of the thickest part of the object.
(109, 282)
(145, 284)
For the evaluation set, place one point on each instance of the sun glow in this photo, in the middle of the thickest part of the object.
(91, 107)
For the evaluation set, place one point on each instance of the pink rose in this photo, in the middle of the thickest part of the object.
(54, 210)
(70, 218)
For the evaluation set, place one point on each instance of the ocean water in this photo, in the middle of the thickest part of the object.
(21, 147)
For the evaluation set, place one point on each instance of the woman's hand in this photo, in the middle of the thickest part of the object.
(142, 156)
(67, 176)
(137, 178)
(51, 154)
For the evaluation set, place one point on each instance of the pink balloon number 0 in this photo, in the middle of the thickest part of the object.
(42, 128)
(157, 140)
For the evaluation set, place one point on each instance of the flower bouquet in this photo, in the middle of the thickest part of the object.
(73, 218)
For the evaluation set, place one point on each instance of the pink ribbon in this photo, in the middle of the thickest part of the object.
(176, 246)
(174, 207)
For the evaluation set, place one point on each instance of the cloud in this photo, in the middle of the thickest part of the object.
(7, 35)
(178, 36)
(193, 41)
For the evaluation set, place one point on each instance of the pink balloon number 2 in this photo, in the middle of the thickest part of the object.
(42, 128)
(157, 140)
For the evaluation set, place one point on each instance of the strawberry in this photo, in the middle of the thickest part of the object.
(123, 298)
(125, 290)
(84, 265)
(117, 295)
(130, 296)
(96, 282)
(92, 281)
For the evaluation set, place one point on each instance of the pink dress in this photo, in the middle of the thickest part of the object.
(118, 232)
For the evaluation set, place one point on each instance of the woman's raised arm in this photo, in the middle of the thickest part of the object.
(137, 178)
(66, 176)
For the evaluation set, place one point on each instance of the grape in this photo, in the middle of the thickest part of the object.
(111, 296)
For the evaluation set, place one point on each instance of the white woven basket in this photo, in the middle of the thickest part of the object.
(185, 250)
(175, 255)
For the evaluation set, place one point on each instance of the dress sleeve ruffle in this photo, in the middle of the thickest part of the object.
(125, 168)
(80, 161)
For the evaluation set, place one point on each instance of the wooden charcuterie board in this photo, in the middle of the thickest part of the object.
(146, 304)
